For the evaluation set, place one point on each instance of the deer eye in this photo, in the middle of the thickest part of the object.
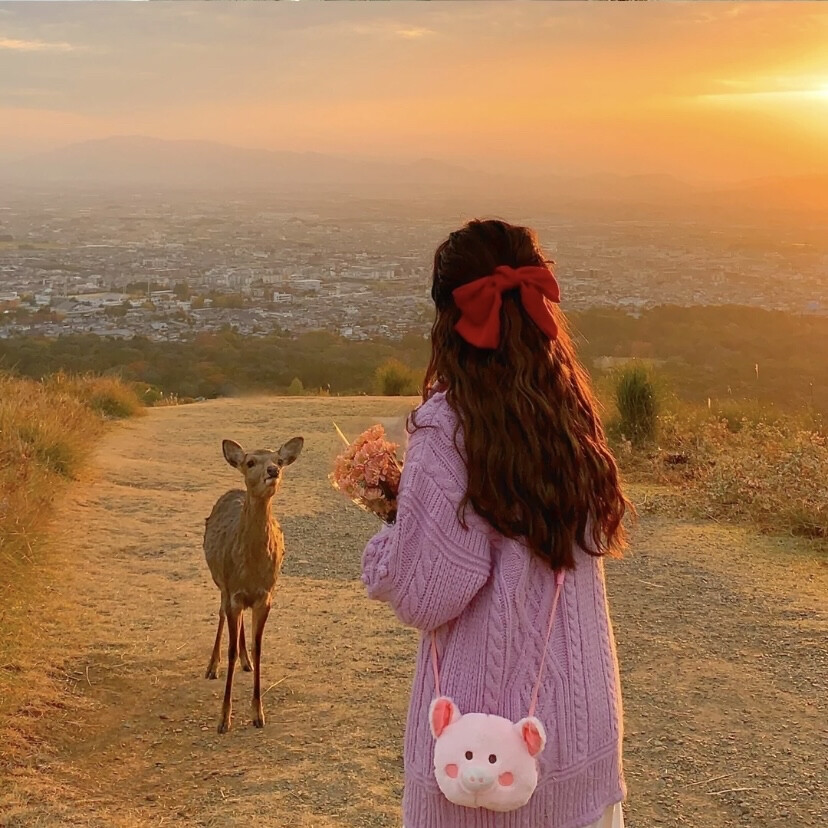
(492, 758)
(469, 755)
(251, 463)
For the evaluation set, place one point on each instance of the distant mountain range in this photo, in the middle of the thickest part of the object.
(152, 163)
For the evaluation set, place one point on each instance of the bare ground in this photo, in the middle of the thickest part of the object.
(110, 724)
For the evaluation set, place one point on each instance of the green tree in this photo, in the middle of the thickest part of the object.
(296, 389)
(228, 300)
(395, 379)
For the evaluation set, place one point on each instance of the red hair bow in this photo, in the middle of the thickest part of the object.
(480, 301)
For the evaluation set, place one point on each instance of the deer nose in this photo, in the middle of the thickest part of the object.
(272, 471)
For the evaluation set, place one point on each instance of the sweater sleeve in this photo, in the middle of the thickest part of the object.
(426, 565)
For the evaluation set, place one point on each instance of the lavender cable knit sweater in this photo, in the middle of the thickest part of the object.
(489, 599)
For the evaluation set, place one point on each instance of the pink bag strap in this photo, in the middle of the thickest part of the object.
(434, 664)
(559, 579)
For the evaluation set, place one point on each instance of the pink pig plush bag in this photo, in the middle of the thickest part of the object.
(486, 761)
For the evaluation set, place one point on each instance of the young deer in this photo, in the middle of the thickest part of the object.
(244, 547)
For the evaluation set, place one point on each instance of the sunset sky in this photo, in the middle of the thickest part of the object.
(704, 91)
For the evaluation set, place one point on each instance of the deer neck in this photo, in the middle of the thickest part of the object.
(256, 528)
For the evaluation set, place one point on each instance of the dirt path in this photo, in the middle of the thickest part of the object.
(721, 634)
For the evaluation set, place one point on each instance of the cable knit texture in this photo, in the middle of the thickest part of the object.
(489, 598)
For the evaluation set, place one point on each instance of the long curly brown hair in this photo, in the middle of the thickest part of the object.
(538, 463)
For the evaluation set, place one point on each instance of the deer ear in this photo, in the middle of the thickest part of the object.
(291, 450)
(532, 734)
(441, 714)
(233, 453)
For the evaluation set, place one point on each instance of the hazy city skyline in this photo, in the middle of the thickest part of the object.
(705, 92)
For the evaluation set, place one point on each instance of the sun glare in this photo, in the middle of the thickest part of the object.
(790, 92)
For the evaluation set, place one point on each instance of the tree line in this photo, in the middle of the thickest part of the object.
(702, 352)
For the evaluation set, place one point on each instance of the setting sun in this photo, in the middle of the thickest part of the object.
(765, 96)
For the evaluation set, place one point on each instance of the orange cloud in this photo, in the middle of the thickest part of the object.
(14, 45)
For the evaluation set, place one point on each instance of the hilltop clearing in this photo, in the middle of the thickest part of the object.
(721, 635)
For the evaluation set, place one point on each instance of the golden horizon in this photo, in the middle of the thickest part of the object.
(704, 92)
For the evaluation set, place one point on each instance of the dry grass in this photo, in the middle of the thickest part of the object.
(742, 463)
(46, 433)
(108, 396)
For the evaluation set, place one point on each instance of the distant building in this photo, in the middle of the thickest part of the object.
(101, 300)
(307, 285)
(115, 333)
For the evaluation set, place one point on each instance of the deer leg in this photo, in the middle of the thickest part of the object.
(260, 613)
(243, 655)
(212, 667)
(233, 616)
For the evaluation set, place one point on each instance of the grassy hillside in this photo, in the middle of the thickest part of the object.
(47, 430)
(742, 462)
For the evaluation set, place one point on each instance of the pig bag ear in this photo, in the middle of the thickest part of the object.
(533, 734)
(441, 714)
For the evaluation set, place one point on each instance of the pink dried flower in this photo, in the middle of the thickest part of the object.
(369, 473)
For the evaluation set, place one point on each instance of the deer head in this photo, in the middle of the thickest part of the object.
(262, 468)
